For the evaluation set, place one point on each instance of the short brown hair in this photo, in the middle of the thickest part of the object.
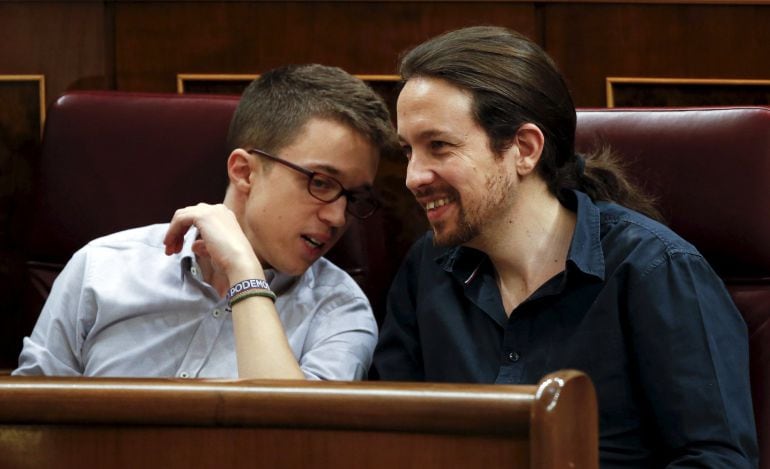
(274, 108)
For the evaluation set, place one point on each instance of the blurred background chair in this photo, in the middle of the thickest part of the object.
(710, 172)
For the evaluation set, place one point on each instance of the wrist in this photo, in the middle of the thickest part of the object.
(254, 287)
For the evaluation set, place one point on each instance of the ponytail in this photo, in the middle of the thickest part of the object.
(602, 176)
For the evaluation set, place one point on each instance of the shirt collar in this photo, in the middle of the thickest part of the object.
(585, 253)
(462, 262)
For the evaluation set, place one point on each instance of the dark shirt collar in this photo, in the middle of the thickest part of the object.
(585, 253)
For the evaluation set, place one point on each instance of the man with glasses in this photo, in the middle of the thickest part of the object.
(238, 289)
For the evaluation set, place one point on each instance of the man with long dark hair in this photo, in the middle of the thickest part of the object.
(540, 259)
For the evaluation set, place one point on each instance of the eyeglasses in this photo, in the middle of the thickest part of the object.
(361, 204)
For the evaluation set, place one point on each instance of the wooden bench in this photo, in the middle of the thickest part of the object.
(130, 423)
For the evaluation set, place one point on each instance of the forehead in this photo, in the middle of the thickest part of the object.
(332, 147)
(433, 103)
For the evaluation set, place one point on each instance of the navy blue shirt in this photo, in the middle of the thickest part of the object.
(637, 308)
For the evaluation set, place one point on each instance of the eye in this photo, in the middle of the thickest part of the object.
(438, 145)
(322, 183)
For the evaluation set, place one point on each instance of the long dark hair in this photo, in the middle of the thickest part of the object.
(513, 82)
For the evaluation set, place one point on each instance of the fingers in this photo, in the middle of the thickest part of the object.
(199, 249)
(181, 222)
(222, 238)
(211, 221)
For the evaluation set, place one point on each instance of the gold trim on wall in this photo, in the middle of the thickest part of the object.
(183, 78)
(611, 83)
(40, 79)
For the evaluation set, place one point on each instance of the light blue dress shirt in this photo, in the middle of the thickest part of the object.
(121, 307)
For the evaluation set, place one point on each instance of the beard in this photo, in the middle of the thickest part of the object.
(475, 216)
(464, 232)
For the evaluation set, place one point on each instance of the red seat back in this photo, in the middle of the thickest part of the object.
(710, 172)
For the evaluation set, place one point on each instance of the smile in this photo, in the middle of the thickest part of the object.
(434, 204)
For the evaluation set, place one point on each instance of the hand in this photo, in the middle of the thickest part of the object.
(222, 241)
(261, 347)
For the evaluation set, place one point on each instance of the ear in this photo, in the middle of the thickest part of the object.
(529, 142)
(240, 168)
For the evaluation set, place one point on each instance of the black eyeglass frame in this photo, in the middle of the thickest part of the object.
(351, 196)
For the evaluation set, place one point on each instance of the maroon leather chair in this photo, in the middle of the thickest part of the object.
(116, 160)
(710, 172)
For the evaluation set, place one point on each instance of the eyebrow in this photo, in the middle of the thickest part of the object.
(336, 173)
(426, 135)
(324, 168)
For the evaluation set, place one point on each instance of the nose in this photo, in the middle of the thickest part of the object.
(333, 213)
(418, 174)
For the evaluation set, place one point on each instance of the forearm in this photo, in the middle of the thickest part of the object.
(261, 346)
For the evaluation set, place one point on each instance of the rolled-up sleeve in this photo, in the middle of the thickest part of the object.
(53, 348)
(341, 341)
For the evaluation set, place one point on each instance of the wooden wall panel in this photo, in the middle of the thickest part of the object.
(65, 42)
(591, 42)
(157, 40)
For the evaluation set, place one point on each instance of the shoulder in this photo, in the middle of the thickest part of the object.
(328, 298)
(325, 280)
(136, 251)
(632, 238)
(150, 236)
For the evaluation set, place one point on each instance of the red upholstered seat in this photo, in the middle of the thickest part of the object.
(710, 171)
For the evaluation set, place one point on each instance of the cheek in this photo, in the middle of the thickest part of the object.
(499, 187)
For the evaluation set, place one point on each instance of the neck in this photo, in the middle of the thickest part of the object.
(530, 244)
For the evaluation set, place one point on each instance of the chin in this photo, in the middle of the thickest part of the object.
(445, 237)
(294, 270)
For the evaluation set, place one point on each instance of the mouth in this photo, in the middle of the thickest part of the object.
(437, 209)
(438, 203)
(313, 243)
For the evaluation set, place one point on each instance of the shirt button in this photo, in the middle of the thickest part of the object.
(184, 374)
(216, 313)
(513, 356)
(194, 270)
